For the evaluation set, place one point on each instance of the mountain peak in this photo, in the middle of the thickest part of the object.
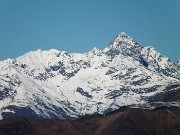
(123, 44)
(122, 34)
(95, 50)
(122, 39)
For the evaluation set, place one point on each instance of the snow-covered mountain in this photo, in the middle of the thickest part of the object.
(57, 84)
(178, 64)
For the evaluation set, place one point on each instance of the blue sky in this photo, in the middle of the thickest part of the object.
(80, 25)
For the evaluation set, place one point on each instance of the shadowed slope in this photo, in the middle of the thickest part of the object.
(162, 121)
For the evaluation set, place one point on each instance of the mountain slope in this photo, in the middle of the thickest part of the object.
(56, 84)
(125, 121)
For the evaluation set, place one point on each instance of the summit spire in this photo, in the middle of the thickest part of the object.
(122, 33)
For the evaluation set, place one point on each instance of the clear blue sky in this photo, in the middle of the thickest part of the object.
(80, 25)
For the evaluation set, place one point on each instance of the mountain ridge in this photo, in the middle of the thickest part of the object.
(41, 83)
(127, 121)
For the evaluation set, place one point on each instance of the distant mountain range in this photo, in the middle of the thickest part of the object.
(59, 85)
